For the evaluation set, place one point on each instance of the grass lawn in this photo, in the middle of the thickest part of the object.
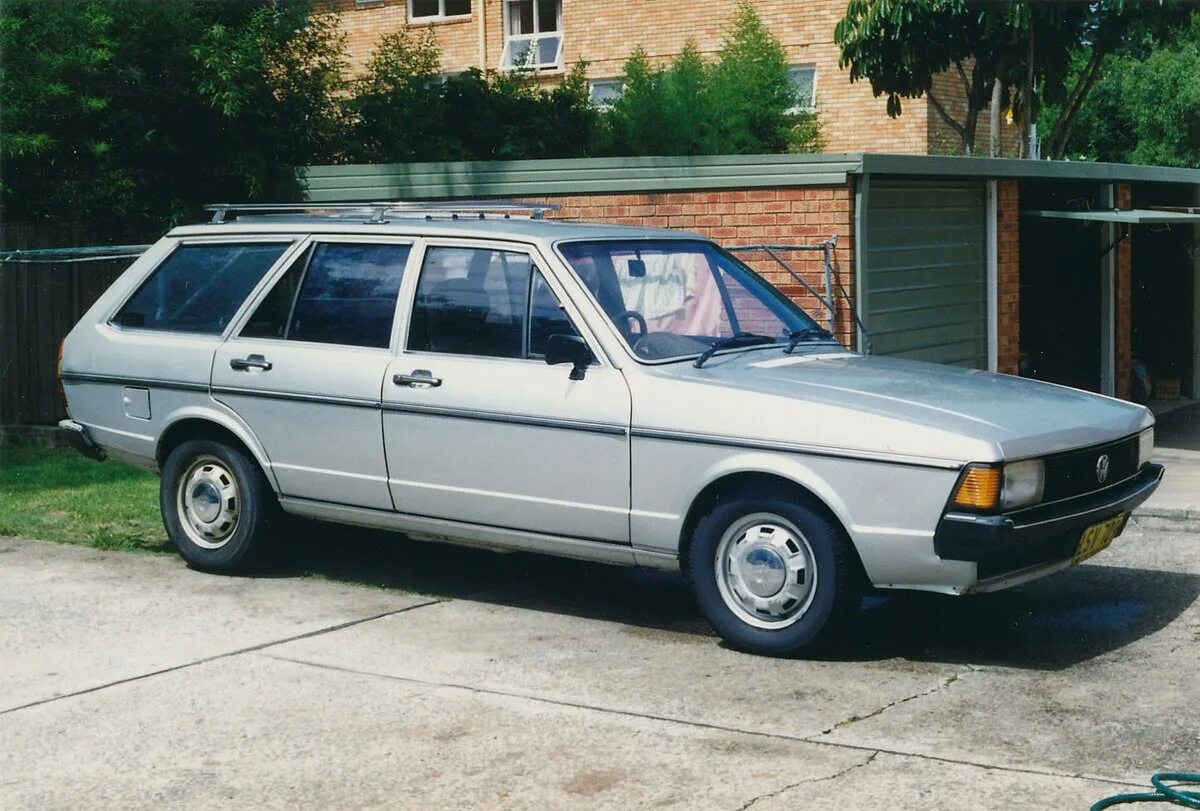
(55, 494)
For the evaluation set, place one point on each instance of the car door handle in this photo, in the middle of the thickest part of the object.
(252, 362)
(419, 377)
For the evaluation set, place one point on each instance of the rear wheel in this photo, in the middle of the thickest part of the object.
(772, 575)
(215, 504)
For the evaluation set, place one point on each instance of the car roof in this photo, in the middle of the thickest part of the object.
(521, 229)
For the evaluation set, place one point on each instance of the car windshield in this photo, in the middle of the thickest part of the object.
(673, 299)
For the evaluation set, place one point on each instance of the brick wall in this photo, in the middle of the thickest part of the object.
(604, 32)
(1123, 297)
(801, 216)
(1008, 276)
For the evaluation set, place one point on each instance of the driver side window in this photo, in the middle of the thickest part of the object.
(484, 302)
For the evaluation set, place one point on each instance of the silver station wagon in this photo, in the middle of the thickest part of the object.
(626, 395)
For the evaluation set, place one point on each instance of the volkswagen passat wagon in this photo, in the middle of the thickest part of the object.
(616, 394)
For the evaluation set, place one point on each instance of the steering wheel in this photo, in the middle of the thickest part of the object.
(621, 319)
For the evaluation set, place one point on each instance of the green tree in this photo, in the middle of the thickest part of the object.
(277, 79)
(122, 115)
(640, 114)
(398, 104)
(744, 102)
(1008, 54)
(749, 93)
(1144, 106)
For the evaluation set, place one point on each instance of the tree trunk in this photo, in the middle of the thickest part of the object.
(995, 147)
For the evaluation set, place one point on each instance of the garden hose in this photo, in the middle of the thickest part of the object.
(1162, 793)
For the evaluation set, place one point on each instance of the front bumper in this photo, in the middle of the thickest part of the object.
(79, 438)
(1037, 536)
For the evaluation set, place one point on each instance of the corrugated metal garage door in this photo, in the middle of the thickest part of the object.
(924, 281)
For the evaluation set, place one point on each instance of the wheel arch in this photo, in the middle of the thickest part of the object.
(199, 423)
(759, 480)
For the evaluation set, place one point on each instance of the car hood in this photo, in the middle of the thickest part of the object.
(843, 391)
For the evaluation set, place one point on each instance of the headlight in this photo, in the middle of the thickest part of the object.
(988, 487)
(1145, 447)
(1023, 483)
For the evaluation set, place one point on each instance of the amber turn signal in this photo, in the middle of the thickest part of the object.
(979, 488)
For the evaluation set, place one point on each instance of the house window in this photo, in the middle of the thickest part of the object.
(604, 92)
(428, 10)
(804, 83)
(532, 34)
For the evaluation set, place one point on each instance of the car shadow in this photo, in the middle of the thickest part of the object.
(1050, 624)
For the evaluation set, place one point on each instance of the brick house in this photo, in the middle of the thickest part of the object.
(489, 34)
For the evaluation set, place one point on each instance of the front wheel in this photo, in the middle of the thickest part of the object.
(215, 504)
(772, 575)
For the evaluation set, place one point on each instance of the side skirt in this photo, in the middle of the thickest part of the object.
(442, 530)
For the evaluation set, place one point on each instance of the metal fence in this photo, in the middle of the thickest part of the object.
(43, 293)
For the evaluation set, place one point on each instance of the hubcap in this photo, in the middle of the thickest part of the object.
(209, 503)
(766, 572)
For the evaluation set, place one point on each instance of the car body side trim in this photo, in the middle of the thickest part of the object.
(791, 447)
(511, 419)
(178, 385)
(300, 397)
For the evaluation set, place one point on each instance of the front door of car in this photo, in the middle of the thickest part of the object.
(304, 369)
(479, 428)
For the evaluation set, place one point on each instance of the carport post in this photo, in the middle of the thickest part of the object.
(1196, 298)
(1108, 275)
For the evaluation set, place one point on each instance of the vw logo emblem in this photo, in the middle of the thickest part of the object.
(1102, 468)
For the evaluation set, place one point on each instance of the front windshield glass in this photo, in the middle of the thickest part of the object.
(676, 298)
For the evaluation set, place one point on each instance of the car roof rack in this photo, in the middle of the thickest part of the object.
(378, 213)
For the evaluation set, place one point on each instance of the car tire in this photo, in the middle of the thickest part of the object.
(773, 575)
(216, 505)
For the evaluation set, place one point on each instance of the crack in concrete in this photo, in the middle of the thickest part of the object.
(854, 719)
(250, 649)
(754, 800)
(814, 740)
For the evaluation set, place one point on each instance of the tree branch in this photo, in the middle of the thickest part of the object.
(962, 74)
(954, 125)
(1070, 110)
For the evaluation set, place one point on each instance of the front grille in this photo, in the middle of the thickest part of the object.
(1074, 473)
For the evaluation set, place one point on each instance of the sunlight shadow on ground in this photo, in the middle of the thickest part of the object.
(1046, 625)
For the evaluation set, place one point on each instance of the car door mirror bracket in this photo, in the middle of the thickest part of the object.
(569, 349)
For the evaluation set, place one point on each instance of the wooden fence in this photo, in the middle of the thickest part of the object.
(39, 304)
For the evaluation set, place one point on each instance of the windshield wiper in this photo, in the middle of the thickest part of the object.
(800, 336)
(733, 341)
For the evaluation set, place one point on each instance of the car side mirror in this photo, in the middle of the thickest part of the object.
(569, 349)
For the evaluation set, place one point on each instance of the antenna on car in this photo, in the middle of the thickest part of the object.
(381, 212)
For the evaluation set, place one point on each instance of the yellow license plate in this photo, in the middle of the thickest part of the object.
(1098, 537)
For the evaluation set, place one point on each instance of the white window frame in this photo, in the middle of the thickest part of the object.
(441, 15)
(593, 83)
(812, 105)
(510, 37)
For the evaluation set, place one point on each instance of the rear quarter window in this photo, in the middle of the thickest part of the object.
(198, 288)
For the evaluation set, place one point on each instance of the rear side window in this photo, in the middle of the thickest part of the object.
(199, 287)
(338, 293)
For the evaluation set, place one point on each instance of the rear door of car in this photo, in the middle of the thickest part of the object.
(478, 428)
(305, 367)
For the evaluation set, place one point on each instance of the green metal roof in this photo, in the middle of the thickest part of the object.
(424, 181)
(393, 181)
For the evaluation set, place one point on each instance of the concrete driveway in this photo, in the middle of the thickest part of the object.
(413, 676)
